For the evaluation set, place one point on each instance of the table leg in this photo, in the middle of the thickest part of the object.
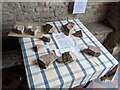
(87, 84)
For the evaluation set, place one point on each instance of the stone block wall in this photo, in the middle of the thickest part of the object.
(47, 11)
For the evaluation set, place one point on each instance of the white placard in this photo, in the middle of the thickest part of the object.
(79, 6)
(65, 43)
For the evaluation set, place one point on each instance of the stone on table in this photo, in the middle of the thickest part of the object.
(31, 30)
(19, 29)
(68, 28)
(45, 39)
(38, 47)
(94, 51)
(47, 28)
(45, 60)
(77, 34)
(66, 57)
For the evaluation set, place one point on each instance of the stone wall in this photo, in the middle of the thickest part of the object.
(47, 11)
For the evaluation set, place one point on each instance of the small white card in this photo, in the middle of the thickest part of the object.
(64, 42)
(79, 6)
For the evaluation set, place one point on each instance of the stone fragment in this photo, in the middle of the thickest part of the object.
(45, 39)
(66, 57)
(60, 60)
(66, 31)
(77, 34)
(47, 28)
(68, 27)
(94, 51)
(19, 29)
(38, 47)
(45, 60)
(32, 30)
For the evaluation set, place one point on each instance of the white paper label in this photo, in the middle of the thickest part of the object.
(79, 6)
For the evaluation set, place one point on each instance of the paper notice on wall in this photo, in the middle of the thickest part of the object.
(79, 6)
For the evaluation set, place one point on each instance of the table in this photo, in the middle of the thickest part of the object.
(67, 75)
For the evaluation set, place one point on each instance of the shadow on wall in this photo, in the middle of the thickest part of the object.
(70, 7)
(112, 43)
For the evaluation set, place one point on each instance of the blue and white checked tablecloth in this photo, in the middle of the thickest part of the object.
(63, 75)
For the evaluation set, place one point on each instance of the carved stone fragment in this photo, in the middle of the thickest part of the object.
(77, 34)
(32, 31)
(38, 47)
(94, 51)
(19, 29)
(45, 60)
(45, 39)
(47, 28)
(68, 27)
(66, 57)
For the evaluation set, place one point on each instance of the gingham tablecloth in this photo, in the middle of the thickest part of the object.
(67, 75)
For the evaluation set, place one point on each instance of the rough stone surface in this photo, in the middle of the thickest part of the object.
(116, 52)
(98, 28)
(100, 31)
(101, 37)
(112, 42)
(113, 16)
